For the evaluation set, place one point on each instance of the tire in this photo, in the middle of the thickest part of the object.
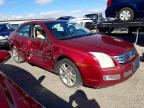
(125, 14)
(15, 55)
(69, 73)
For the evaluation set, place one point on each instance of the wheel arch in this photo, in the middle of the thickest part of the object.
(69, 58)
(63, 57)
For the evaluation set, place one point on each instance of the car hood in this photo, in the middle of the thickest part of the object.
(98, 43)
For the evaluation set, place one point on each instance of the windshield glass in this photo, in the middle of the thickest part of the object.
(5, 27)
(92, 16)
(67, 30)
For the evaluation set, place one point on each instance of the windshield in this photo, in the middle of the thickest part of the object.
(5, 27)
(67, 30)
(95, 17)
(92, 16)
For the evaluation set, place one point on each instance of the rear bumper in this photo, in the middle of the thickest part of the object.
(98, 78)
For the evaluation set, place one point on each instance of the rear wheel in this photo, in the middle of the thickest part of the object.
(125, 14)
(69, 73)
(15, 55)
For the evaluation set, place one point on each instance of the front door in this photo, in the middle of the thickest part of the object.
(40, 48)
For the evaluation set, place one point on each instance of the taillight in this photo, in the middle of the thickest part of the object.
(109, 3)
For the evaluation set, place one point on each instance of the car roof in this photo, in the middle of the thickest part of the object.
(45, 21)
(4, 23)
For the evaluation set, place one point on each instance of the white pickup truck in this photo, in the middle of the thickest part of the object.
(86, 22)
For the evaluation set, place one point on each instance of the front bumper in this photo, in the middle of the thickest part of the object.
(98, 78)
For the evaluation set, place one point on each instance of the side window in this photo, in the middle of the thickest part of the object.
(24, 31)
(38, 32)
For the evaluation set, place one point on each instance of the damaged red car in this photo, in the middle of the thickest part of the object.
(77, 55)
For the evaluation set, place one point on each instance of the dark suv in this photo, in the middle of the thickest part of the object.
(125, 10)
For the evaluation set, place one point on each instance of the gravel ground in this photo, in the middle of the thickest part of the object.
(47, 88)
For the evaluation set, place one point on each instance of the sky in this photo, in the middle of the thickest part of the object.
(19, 9)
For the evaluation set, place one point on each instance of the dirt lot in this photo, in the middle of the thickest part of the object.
(47, 88)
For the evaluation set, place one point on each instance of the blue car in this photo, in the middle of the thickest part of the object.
(125, 10)
(5, 30)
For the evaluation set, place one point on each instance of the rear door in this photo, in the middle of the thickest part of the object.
(23, 35)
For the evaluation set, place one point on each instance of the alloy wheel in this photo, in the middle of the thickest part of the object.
(125, 15)
(67, 75)
(15, 54)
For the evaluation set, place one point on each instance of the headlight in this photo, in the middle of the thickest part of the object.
(104, 60)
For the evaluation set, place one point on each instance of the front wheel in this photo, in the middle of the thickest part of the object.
(69, 73)
(15, 55)
(125, 14)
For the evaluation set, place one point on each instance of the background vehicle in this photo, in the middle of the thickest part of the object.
(86, 22)
(95, 17)
(125, 10)
(11, 95)
(15, 25)
(77, 55)
(66, 18)
(5, 30)
(135, 26)
(4, 56)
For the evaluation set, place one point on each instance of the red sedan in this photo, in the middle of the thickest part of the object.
(77, 55)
